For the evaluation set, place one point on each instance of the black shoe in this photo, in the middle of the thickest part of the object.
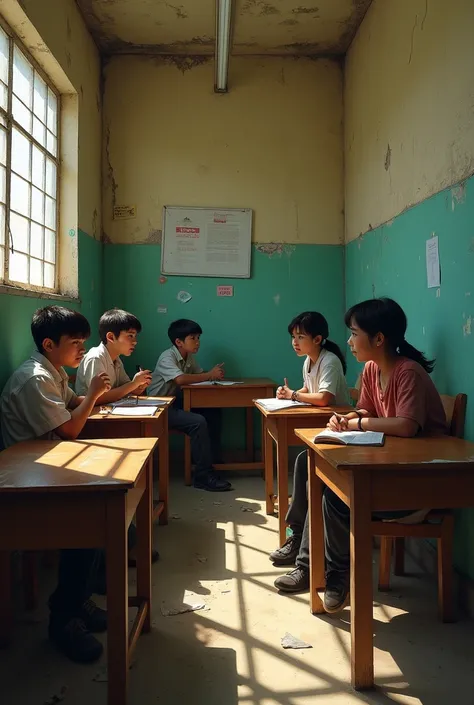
(74, 639)
(336, 595)
(155, 556)
(286, 555)
(296, 580)
(94, 617)
(211, 483)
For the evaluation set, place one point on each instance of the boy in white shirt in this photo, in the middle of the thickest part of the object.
(324, 384)
(176, 366)
(37, 403)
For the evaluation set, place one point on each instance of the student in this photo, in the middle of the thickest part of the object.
(398, 398)
(323, 385)
(118, 332)
(176, 366)
(38, 403)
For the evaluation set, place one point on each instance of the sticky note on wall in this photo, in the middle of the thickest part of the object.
(225, 291)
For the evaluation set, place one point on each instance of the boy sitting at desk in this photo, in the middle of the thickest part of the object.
(176, 367)
(37, 403)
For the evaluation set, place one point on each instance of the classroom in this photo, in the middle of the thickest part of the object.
(327, 151)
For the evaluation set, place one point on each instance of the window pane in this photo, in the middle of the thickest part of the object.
(22, 78)
(21, 114)
(3, 182)
(19, 232)
(36, 240)
(37, 175)
(37, 205)
(50, 213)
(50, 178)
(3, 96)
(20, 195)
(21, 154)
(3, 146)
(40, 98)
(51, 143)
(52, 112)
(49, 246)
(39, 131)
(36, 272)
(4, 53)
(18, 270)
(49, 276)
(2, 228)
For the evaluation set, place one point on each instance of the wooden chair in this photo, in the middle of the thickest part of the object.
(439, 525)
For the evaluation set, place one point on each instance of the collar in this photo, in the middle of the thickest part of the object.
(58, 375)
(103, 349)
(179, 357)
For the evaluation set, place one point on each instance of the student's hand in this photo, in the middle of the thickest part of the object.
(338, 422)
(284, 392)
(100, 384)
(217, 372)
(142, 379)
(140, 390)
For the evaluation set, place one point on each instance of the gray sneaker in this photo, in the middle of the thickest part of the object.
(286, 555)
(336, 596)
(296, 580)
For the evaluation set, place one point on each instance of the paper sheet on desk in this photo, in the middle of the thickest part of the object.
(132, 401)
(134, 410)
(220, 383)
(273, 404)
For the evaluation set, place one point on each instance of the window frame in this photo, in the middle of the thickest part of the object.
(7, 284)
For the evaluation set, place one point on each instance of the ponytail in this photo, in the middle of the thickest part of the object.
(336, 350)
(406, 350)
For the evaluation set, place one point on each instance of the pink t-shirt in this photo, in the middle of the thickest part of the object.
(410, 394)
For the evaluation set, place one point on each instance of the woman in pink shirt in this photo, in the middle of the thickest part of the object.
(398, 398)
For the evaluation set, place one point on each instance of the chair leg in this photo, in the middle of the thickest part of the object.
(399, 568)
(30, 579)
(445, 570)
(385, 562)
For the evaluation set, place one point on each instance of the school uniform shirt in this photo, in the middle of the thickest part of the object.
(98, 360)
(171, 364)
(35, 401)
(326, 375)
(409, 394)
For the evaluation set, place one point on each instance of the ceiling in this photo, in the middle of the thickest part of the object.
(276, 27)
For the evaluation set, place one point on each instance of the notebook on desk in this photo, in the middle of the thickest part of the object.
(351, 438)
(220, 382)
(274, 404)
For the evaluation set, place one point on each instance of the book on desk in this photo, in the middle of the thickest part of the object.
(351, 438)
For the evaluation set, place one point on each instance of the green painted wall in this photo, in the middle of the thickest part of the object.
(16, 311)
(390, 260)
(248, 331)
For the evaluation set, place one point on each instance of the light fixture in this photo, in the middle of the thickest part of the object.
(223, 32)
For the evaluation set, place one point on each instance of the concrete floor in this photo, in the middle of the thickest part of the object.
(214, 552)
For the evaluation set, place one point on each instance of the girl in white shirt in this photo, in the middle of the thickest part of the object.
(323, 385)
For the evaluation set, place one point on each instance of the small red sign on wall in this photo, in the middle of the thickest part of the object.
(225, 291)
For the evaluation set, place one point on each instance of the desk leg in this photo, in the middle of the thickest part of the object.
(282, 477)
(187, 441)
(249, 433)
(316, 536)
(144, 524)
(267, 446)
(362, 648)
(117, 599)
(164, 468)
(6, 607)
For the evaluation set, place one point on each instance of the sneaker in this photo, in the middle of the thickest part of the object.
(211, 483)
(286, 555)
(94, 617)
(74, 639)
(336, 595)
(296, 580)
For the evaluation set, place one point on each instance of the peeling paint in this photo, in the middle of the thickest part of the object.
(467, 326)
(95, 223)
(261, 7)
(275, 248)
(105, 238)
(110, 171)
(458, 195)
(305, 10)
(290, 22)
(181, 13)
(155, 236)
(163, 279)
(388, 158)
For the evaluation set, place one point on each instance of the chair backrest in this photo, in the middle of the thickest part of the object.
(455, 410)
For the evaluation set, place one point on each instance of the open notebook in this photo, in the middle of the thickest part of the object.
(220, 382)
(274, 404)
(132, 401)
(351, 438)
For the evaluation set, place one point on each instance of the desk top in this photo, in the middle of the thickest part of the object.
(421, 453)
(95, 415)
(305, 410)
(246, 382)
(71, 466)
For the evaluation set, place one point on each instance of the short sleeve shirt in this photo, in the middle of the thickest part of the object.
(98, 360)
(326, 375)
(171, 365)
(35, 401)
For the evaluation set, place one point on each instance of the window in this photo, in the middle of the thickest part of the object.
(29, 167)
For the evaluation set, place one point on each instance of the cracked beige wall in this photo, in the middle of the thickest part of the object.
(409, 96)
(273, 143)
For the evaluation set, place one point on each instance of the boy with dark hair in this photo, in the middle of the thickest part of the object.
(175, 368)
(118, 334)
(38, 403)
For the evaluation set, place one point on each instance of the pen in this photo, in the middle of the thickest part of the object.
(138, 369)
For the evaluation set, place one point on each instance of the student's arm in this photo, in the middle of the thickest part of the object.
(140, 381)
(316, 398)
(70, 429)
(216, 373)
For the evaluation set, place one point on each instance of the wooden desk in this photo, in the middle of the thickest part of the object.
(279, 426)
(406, 473)
(111, 426)
(83, 494)
(216, 396)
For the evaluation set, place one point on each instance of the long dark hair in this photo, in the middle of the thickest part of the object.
(313, 323)
(387, 317)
